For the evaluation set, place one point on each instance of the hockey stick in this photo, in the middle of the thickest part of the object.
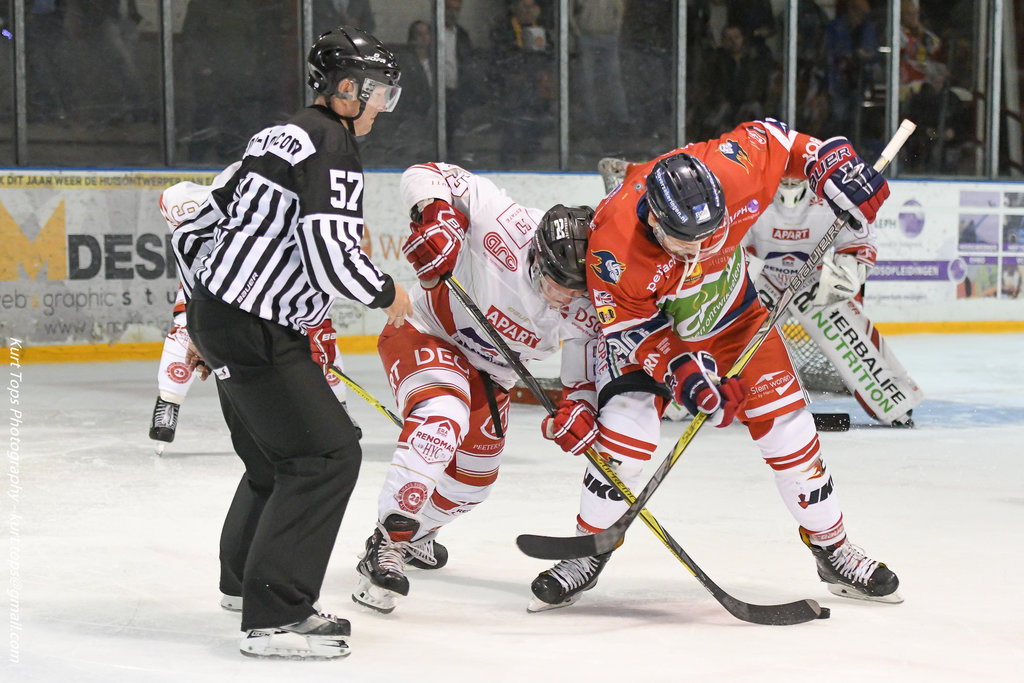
(365, 395)
(550, 547)
(796, 612)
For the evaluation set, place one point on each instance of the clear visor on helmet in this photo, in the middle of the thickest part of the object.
(380, 96)
(690, 253)
(555, 295)
(791, 192)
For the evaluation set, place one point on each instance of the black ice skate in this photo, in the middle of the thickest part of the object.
(563, 584)
(850, 573)
(382, 569)
(426, 553)
(165, 421)
(319, 636)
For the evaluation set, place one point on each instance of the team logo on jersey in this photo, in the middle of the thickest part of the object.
(732, 151)
(610, 268)
(178, 372)
(411, 497)
(788, 235)
(606, 314)
(696, 275)
(496, 247)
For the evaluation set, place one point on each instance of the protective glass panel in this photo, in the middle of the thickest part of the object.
(1011, 148)
(93, 83)
(408, 134)
(943, 85)
(734, 65)
(236, 71)
(6, 88)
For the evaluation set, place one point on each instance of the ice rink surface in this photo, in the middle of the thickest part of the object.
(112, 551)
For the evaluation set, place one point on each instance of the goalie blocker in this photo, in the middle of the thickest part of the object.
(860, 355)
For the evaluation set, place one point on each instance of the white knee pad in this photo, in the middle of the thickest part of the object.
(430, 437)
(791, 449)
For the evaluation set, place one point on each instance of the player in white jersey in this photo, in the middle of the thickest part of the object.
(830, 307)
(175, 376)
(525, 270)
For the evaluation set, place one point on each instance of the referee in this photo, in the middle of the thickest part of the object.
(285, 234)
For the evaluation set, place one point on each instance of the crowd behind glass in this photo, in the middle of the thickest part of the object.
(525, 84)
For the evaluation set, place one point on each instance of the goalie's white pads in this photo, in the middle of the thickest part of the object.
(612, 172)
(863, 360)
(842, 276)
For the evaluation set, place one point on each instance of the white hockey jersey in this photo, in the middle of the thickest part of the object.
(493, 266)
(783, 238)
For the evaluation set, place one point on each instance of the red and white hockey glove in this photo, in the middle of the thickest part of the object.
(323, 344)
(573, 426)
(846, 182)
(693, 379)
(435, 242)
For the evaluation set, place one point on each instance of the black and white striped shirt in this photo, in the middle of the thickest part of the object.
(286, 228)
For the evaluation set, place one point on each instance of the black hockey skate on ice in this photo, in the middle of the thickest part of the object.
(382, 569)
(319, 636)
(426, 553)
(165, 420)
(563, 584)
(850, 573)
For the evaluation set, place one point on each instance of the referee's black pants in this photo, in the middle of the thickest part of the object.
(301, 460)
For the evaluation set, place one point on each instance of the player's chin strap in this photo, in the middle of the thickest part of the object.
(604, 541)
(791, 613)
(350, 121)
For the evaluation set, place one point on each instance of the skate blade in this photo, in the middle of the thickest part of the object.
(538, 605)
(231, 603)
(285, 645)
(159, 448)
(376, 598)
(893, 598)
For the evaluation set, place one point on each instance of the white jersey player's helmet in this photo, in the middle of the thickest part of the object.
(791, 192)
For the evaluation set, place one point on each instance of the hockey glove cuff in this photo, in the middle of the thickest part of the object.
(323, 344)
(573, 426)
(693, 379)
(839, 176)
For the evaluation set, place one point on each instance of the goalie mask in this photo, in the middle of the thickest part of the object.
(558, 254)
(687, 205)
(791, 192)
(350, 53)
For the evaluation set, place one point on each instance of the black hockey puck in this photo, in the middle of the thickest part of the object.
(825, 613)
(832, 422)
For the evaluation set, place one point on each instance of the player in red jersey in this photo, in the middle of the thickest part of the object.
(671, 290)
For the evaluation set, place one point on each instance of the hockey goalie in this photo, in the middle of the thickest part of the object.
(834, 345)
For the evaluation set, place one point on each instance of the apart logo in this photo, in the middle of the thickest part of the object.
(779, 382)
(178, 372)
(412, 496)
(610, 268)
(496, 247)
(791, 235)
(731, 150)
(510, 329)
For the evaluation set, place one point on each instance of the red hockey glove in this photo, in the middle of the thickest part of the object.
(845, 181)
(435, 242)
(573, 426)
(693, 379)
(323, 344)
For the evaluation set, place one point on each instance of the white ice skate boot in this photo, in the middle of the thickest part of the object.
(319, 636)
(612, 172)
(850, 573)
(563, 584)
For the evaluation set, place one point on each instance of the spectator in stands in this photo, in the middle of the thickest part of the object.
(523, 65)
(595, 24)
(851, 53)
(736, 84)
(328, 14)
(459, 83)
